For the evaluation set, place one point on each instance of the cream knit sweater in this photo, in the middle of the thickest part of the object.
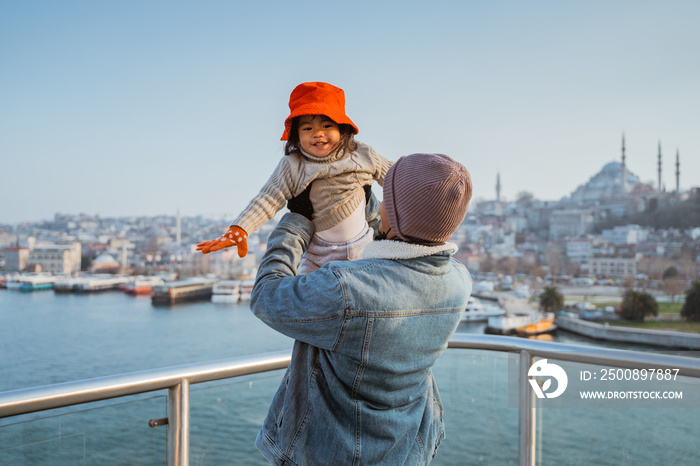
(337, 188)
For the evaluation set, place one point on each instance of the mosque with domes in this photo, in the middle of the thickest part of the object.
(617, 187)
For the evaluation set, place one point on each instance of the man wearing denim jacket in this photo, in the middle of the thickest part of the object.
(359, 389)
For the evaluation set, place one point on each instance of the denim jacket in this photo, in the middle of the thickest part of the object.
(359, 389)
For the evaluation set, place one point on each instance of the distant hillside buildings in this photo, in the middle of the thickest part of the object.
(582, 234)
(565, 236)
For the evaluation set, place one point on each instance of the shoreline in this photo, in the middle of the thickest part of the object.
(665, 338)
(605, 331)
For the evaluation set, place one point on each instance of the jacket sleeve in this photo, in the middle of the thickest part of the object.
(308, 308)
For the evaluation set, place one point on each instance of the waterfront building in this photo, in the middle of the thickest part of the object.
(16, 259)
(611, 267)
(57, 259)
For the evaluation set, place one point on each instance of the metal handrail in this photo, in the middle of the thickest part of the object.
(627, 359)
(177, 381)
(529, 350)
(29, 400)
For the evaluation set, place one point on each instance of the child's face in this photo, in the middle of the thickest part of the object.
(318, 135)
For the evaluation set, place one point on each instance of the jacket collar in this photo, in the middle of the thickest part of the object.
(388, 249)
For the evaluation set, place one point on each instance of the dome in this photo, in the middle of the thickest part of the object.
(612, 167)
(104, 259)
(104, 263)
(606, 184)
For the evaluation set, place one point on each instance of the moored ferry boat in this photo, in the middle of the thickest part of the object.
(65, 285)
(99, 283)
(543, 326)
(142, 285)
(506, 325)
(246, 289)
(226, 291)
(36, 282)
(522, 325)
(193, 289)
(12, 282)
(476, 312)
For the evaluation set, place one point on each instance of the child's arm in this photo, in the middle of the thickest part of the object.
(382, 166)
(263, 207)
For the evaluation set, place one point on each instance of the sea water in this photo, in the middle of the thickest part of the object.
(48, 338)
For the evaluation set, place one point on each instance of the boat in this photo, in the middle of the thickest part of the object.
(12, 282)
(506, 324)
(194, 289)
(36, 282)
(65, 285)
(542, 326)
(247, 289)
(226, 292)
(521, 325)
(142, 285)
(476, 312)
(99, 283)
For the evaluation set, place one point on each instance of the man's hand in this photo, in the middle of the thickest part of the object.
(235, 235)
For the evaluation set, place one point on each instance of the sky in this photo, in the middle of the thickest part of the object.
(121, 108)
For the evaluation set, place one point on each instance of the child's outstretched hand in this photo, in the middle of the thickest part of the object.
(235, 235)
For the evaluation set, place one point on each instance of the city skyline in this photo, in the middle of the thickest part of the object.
(123, 109)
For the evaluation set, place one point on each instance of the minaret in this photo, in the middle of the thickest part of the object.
(498, 187)
(123, 267)
(624, 166)
(678, 174)
(659, 166)
(178, 230)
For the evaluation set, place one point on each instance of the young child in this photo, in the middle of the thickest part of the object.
(321, 151)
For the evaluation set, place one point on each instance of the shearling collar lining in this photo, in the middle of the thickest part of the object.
(388, 249)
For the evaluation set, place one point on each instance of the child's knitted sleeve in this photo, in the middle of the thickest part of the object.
(271, 198)
(382, 166)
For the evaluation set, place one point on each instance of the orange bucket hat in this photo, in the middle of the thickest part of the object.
(317, 98)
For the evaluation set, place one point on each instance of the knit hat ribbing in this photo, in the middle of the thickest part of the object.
(426, 197)
(317, 98)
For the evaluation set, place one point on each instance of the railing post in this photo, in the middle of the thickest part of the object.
(179, 424)
(528, 412)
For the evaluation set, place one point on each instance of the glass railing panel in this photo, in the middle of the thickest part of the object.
(640, 421)
(117, 433)
(225, 419)
(480, 425)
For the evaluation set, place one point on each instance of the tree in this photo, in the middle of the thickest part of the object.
(539, 272)
(671, 272)
(691, 307)
(636, 305)
(672, 287)
(553, 255)
(629, 282)
(551, 299)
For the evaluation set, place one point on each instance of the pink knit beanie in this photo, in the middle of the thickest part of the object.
(426, 197)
